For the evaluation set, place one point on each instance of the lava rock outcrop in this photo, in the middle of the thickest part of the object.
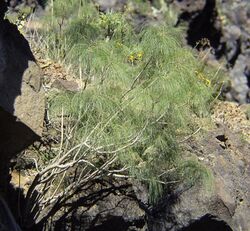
(226, 24)
(22, 102)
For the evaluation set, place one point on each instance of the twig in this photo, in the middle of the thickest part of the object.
(187, 138)
(137, 78)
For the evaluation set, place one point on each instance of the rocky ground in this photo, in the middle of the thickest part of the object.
(227, 25)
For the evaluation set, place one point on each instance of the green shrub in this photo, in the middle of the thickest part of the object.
(145, 85)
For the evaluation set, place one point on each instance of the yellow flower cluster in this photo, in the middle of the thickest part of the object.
(203, 78)
(204, 42)
(20, 22)
(119, 45)
(135, 57)
(129, 8)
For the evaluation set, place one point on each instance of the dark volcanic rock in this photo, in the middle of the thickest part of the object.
(227, 25)
(108, 5)
(236, 37)
(208, 223)
(32, 3)
(228, 200)
(226, 152)
(107, 206)
(3, 9)
(21, 97)
(201, 17)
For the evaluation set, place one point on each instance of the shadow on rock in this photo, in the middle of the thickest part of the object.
(21, 99)
(208, 223)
